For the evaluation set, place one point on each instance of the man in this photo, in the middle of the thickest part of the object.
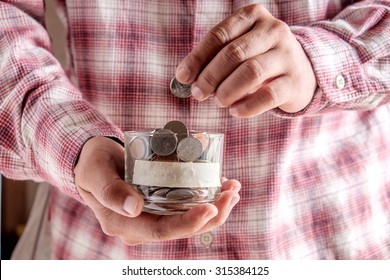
(300, 89)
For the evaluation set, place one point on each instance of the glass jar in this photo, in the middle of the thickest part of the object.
(174, 171)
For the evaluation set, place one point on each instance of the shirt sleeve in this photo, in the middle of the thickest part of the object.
(350, 55)
(43, 119)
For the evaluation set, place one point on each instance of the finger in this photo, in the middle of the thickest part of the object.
(229, 29)
(111, 191)
(232, 185)
(184, 225)
(250, 75)
(98, 172)
(147, 227)
(224, 205)
(130, 230)
(268, 97)
(260, 39)
(121, 198)
(107, 218)
(200, 218)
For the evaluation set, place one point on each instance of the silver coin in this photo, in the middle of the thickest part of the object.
(139, 148)
(178, 89)
(181, 194)
(163, 142)
(161, 193)
(177, 127)
(189, 149)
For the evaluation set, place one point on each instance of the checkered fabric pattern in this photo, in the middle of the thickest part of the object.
(315, 185)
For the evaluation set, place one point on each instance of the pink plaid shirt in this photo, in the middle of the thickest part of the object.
(315, 185)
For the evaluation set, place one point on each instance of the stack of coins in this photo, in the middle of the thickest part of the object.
(173, 144)
(173, 139)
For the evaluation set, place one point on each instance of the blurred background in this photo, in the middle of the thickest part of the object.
(17, 197)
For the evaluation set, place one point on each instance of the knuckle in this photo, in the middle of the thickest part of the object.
(221, 33)
(223, 96)
(281, 28)
(250, 13)
(270, 97)
(159, 233)
(236, 53)
(253, 69)
(219, 220)
(254, 10)
(209, 78)
(108, 192)
(195, 58)
(108, 229)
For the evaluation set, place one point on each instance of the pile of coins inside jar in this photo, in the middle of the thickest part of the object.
(174, 168)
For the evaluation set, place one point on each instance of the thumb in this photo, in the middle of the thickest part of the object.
(97, 175)
(126, 204)
(120, 197)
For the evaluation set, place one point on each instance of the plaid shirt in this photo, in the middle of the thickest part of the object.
(315, 185)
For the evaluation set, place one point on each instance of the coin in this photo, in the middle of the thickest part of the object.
(181, 194)
(169, 208)
(139, 148)
(178, 89)
(177, 127)
(160, 193)
(189, 149)
(202, 193)
(163, 142)
(169, 158)
(203, 139)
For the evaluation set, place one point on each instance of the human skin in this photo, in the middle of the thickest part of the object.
(117, 206)
(251, 63)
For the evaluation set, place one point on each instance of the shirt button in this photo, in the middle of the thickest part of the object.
(340, 82)
(206, 239)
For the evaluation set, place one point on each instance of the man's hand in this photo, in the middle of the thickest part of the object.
(251, 63)
(118, 206)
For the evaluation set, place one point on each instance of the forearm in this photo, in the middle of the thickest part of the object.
(44, 121)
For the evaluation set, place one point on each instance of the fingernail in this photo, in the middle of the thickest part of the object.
(197, 94)
(130, 205)
(183, 74)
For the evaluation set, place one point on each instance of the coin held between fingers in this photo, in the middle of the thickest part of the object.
(180, 90)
